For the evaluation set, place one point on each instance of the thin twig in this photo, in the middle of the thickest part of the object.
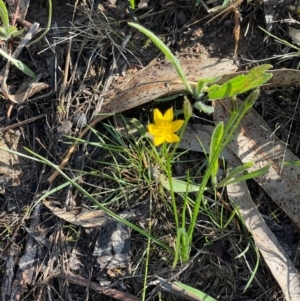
(111, 292)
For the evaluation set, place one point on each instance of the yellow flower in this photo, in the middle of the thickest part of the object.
(164, 128)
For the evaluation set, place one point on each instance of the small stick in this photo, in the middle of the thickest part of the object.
(110, 292)
(13, 126)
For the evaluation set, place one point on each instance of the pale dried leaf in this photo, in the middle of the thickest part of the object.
(85, 218)
(255, 143)
(197, 135)
(159, 79)
(143, 4)
(294, 33)
(275, 257)
(31, 90)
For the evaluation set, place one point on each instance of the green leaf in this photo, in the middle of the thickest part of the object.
(16, 33)
(198, 294)
(18, 64)
(234, 172)
(166, 51)
(241, 83)
(3, 32)
(4, 15)
(225, 2)
(291, 163)
(132, 4)
(202, 83)
(203, 107)
(215, 142)
(178, 185)
(254, 174)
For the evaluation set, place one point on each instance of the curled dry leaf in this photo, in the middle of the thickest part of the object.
(85, 218)
(31, 90)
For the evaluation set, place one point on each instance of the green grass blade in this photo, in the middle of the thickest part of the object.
(4, 15)
(196, 293)
(215, 142)
(257, 173)
(166, 51)
(234, 172)
(132, 4)
(26, 70)
(284, 42)
(43, 160)
(291, 163)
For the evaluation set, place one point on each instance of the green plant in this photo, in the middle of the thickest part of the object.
(132, 4)
(8, 32)
(132, 153)
(204, 91)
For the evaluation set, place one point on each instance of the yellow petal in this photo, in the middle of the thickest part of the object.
(158, 140)
(157, 116)
(153, 129)
(168, 116)
(176, 125)
(171, 138)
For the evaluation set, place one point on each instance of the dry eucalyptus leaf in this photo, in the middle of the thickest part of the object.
(279, 263)
(294, 33)
(143, 4)
(159, 79)
(275, 257)
(255, 143)
(31, 90)
(194, 133)
(85, 218)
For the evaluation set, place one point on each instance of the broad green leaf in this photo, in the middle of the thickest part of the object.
(215, 142)
(166, 51)
(241, 83)
(193, 291)
(4, 15)
(18, 64)
(178, 185)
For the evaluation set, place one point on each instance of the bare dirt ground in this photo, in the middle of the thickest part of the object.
(89, 51)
